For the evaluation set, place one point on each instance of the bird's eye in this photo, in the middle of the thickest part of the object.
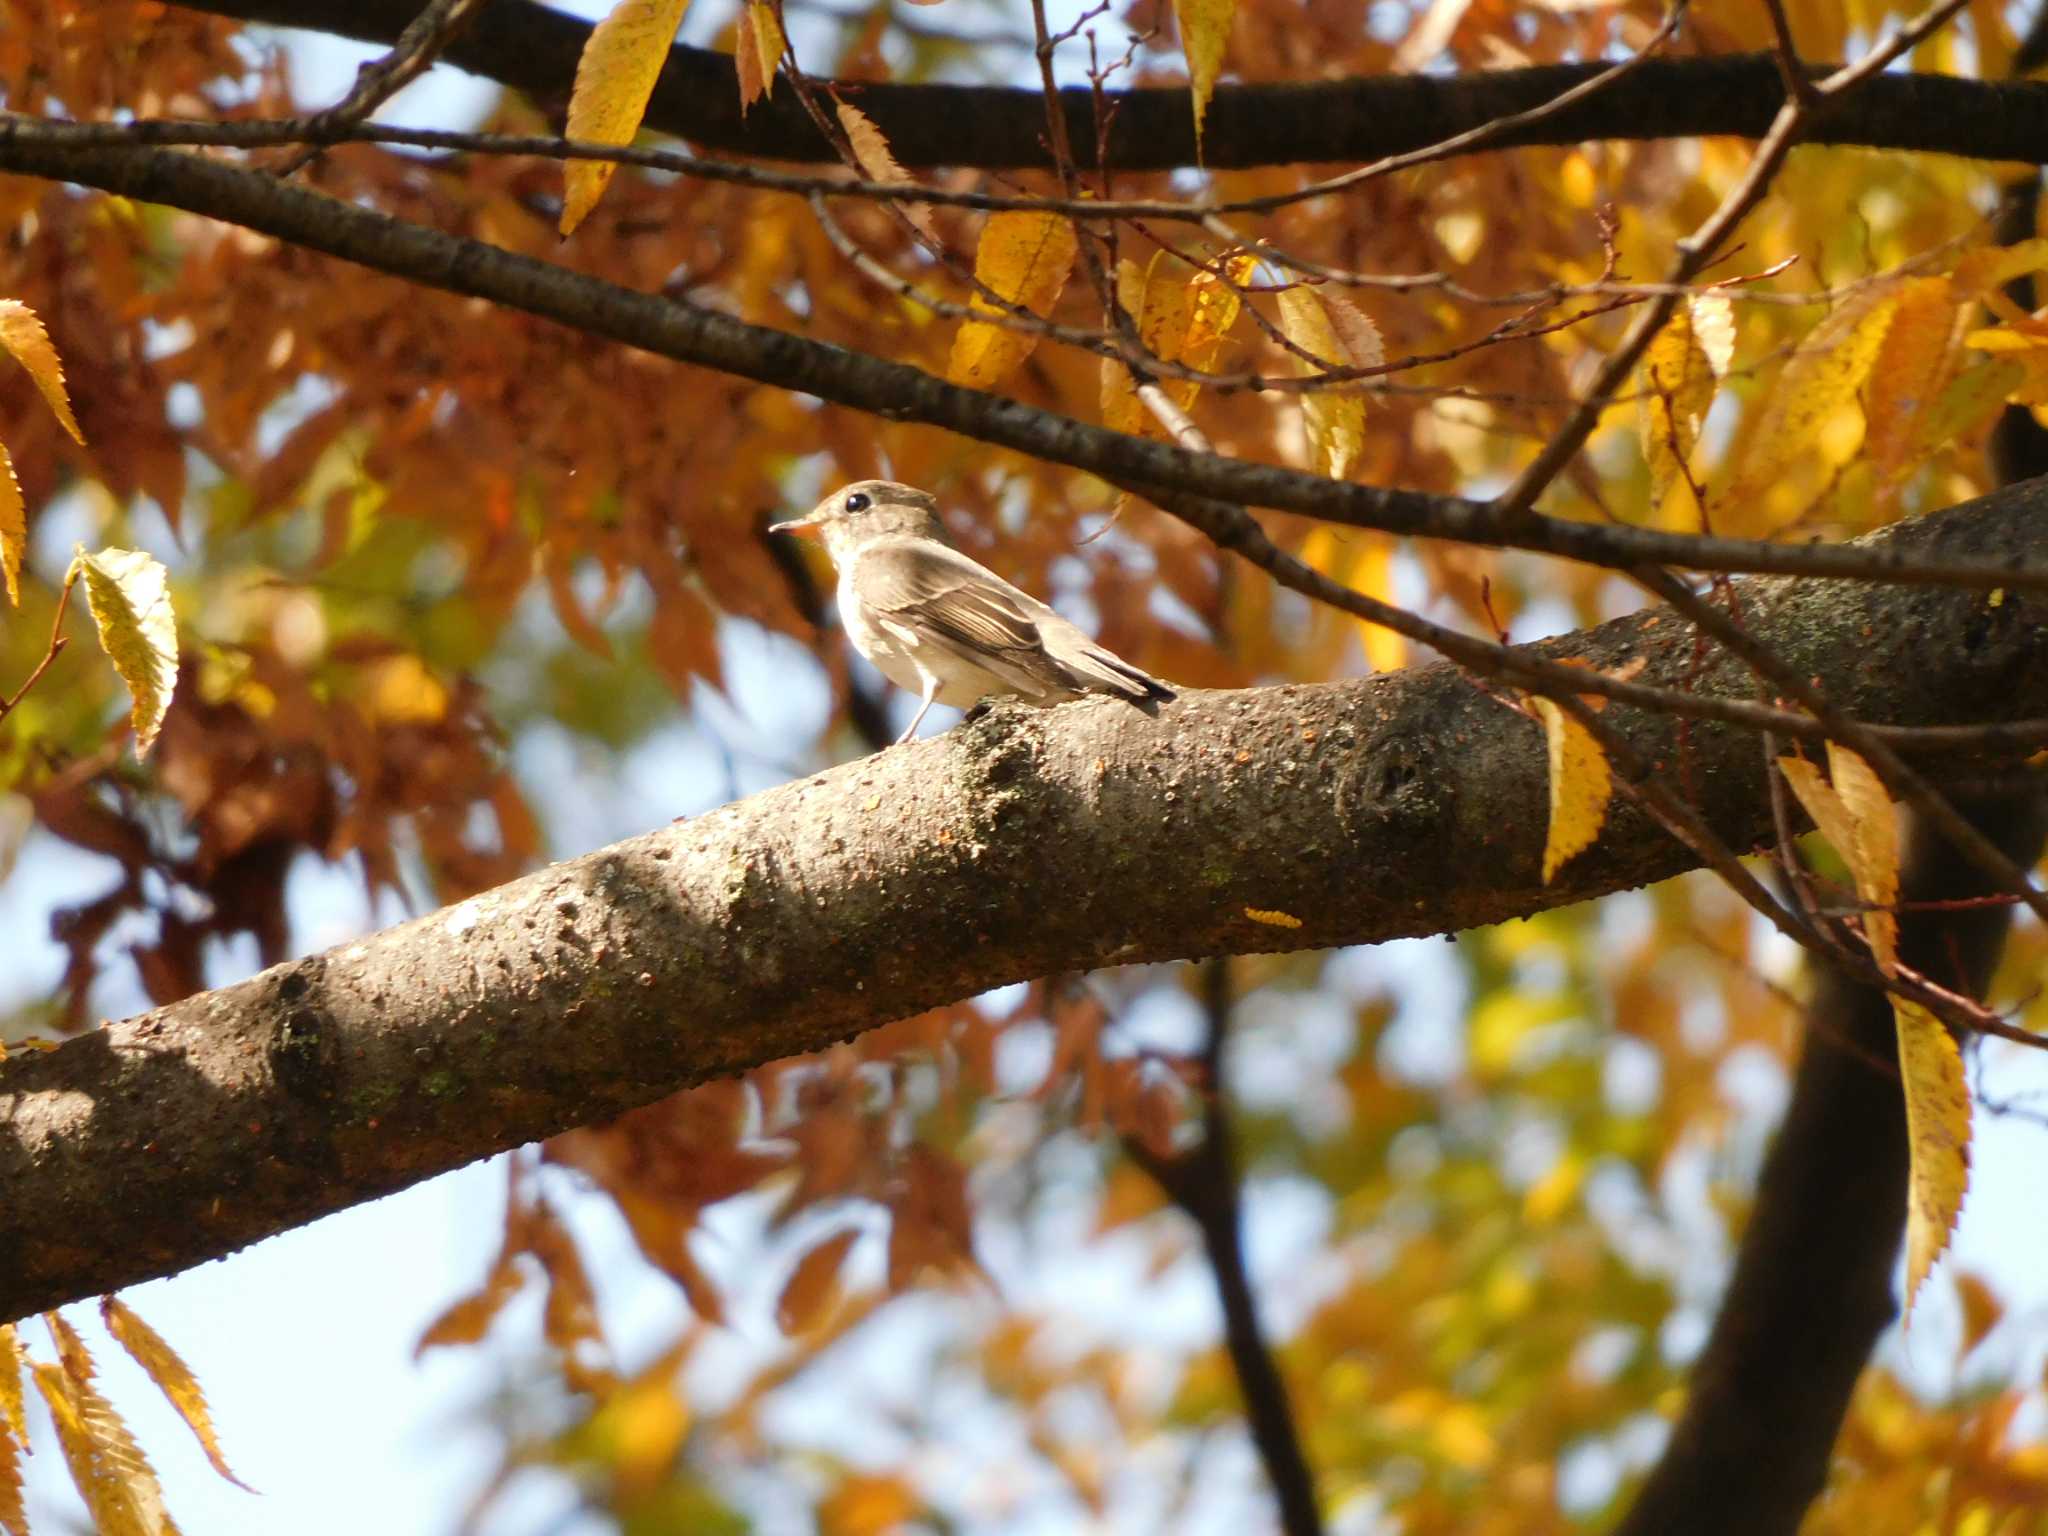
(859, 501)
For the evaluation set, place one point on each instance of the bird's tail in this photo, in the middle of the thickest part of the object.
(1099, 671)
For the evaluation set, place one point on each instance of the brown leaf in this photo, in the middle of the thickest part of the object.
(814, 1283)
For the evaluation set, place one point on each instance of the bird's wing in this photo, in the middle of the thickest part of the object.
(968, 609)
(949, 601)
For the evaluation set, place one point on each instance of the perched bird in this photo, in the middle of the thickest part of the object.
(943, 627)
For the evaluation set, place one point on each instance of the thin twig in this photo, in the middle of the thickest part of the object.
(438, 24)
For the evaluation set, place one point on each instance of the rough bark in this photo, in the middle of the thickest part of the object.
(1024, 843)
(1812, 1288)
(534, 48)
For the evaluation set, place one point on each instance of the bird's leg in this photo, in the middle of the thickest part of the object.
(931, 690)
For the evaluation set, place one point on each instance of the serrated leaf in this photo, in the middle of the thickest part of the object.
(1334, 417)
(1024, 258)
(13, 1413)
(757, 52)
(23, 337)
(1875, 858)
(614, 78)
(173, 1378)
(1204, 34)
(878, 162)
(813, 1283)
(112, 1475)
(1937, 1134)
(1713, 327)
(1854, 813)
(129, 594)
(13, 528)
(1580, 785)
(13, 1516)
(1157, 298)
(1912, 369)
(1823, 378)
(1676, 387)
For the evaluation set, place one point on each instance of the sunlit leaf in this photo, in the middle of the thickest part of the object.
(12, 1412)
(614, 79)
(757, 52)
(1331, 328)
(1875, 857)
(1938, 1133)
(1024, 258)
(1580, 785)
(113, 1477)
(878, 162)
(1912, 370)
(172, 1376)
(1821, 380)
(1713, 328)
(13, 528)
(1204, 33)
(1676, 384)
(13, 1517)
(129, 594)
(1157, 297)
(23, 337)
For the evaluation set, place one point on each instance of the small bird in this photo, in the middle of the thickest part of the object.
(943, 627)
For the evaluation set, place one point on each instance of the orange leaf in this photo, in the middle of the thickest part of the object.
(814, 1283)
(614, 78)
(758, 52)
(1912, 370)
(172, 1376)
(878, 162)
(23, 336)
(112, 1475)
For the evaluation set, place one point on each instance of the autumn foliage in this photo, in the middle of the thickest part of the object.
(297, 555)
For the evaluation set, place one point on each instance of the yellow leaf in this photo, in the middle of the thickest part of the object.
(614, 78)
(878, 162)
(13, 528)
(13, 1517)
(1912, 370)
(399, 690)
(1677, 390)
(757, 52)
(1713, 327)
(1875, 856)
(1329, 327)
(1024, 258)
(1213, 306)
(1821, 380)
(1204, 33)
(1855, 815)
(1157, 300)
(1364, 562)
(112, 1475)
(172, 1376)
(22, 335)
(12, 1413)
(1580, 784)
(1272, 917)
(1937, 1133)
(129, 594)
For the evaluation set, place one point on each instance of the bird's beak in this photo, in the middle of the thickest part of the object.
(801, 526)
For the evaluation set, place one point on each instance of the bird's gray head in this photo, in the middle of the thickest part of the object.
(869, 509)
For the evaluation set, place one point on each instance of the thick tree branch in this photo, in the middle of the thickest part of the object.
(1026, 843)
(1812, 1288)
(534, 48)
(688, 333)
